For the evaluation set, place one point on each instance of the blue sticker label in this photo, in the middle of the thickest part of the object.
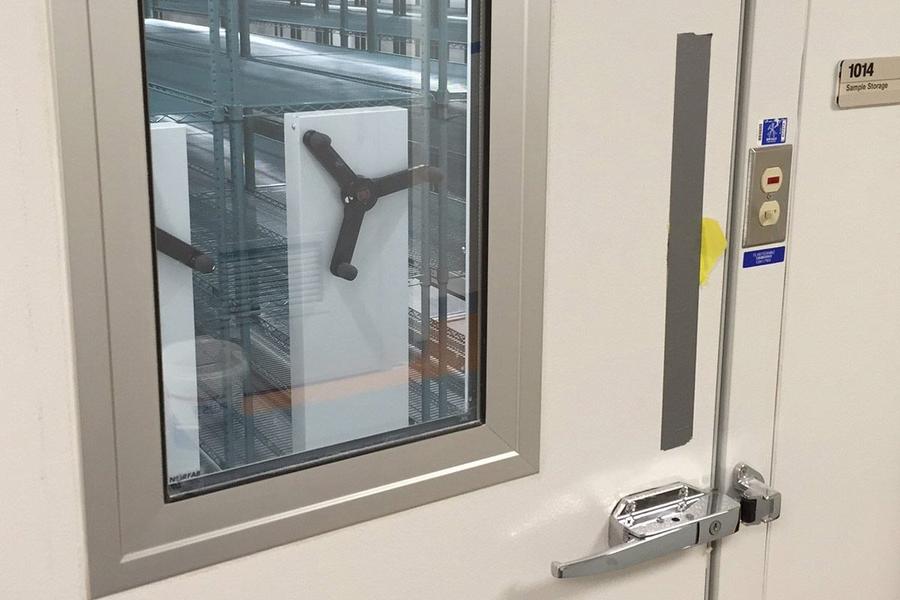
(758, 258)
(773, 131)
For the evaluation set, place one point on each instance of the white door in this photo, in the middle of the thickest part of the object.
(837, 446)
(611, 184)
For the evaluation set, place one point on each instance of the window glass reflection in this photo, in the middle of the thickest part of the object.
(316, 193)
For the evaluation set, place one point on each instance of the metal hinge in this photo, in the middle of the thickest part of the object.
(666, 519)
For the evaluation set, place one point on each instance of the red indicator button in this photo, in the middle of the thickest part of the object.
(772, 179)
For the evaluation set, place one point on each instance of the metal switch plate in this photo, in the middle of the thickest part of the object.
(767, 200)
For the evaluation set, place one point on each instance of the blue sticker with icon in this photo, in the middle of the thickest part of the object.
(773, 131)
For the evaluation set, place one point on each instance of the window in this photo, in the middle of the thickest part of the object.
(306, 312)
(272, 343)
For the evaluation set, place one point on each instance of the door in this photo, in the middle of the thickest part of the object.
(641, 135)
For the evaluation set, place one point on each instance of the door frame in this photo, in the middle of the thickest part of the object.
(769, 87)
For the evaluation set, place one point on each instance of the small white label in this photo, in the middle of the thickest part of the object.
(869, 82)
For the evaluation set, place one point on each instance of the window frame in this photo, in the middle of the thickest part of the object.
(134, 536)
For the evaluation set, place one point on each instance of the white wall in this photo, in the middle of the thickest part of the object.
(41, 541)
(837, 446)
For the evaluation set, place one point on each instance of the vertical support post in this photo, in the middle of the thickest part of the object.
(425, 281)
(400, 8)
(345, 15)
(237, 226)
(148, 8)
(249, 154)
(244, 26)
(218, 73)
(372, 25)
(443, 189)
(243, 216)
(443, 47)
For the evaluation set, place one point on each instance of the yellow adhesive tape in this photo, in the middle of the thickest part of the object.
(712, 247)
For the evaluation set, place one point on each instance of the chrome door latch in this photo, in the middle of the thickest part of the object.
(666, 519)
(759, 502)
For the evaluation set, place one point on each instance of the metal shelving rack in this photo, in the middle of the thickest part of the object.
(209, 78)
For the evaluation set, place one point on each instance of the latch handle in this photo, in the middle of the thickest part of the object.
(627, 555)
(670, 518)
(657, 522)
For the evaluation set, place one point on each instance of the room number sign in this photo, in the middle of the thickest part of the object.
(869, 82)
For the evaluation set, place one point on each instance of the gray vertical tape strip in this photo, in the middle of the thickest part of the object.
(685, 222)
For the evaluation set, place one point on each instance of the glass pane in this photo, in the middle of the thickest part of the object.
(317, 173)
